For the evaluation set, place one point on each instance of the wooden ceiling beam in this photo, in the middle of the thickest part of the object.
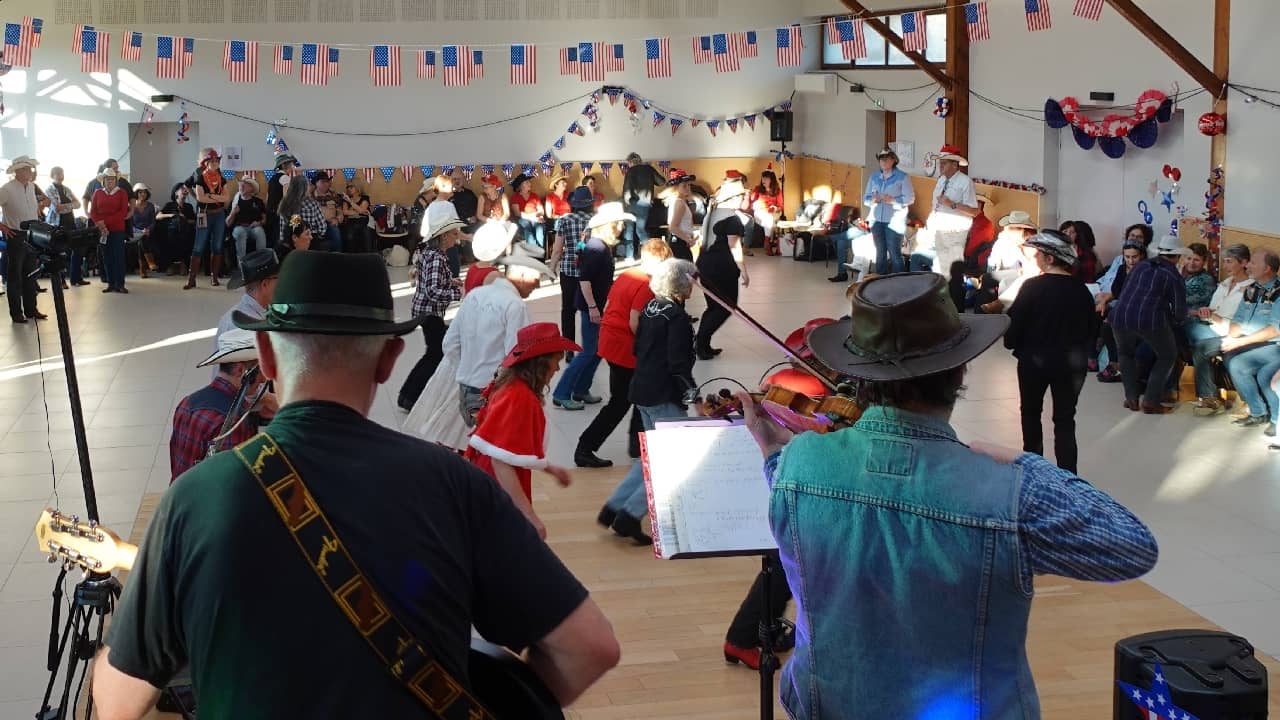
(1130, 11)
(862, 13)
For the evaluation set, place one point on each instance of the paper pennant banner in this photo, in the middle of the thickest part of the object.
(658, 118)
(785, 105)
(228, 174)
(586, 167)
(605, 167)
(270, 173)
(368, 174)
(447, 169)
(733, 125)
(349, 174)
(693, 122)
(331, 172)
(675, 125)
(664, 165)
(628, 97)
(387, 172)
(577, 129)
(545, 157)
(406, 172)
(509, 169)
(487, 169)
(623, 167)
(427, 171)
(310, 174)
(751, 121)
(566, 167)
(468, 170)
(613, 94)
(713, 126)
(559, 144)
(529, 169)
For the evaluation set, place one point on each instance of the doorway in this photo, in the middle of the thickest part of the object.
(157, 159)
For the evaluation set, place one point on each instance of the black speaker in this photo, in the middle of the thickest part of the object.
(780, 128)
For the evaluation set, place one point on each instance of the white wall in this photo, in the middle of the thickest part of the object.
(1252, 151)
(69, 118)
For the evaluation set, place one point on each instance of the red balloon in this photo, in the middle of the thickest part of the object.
(1212, 123)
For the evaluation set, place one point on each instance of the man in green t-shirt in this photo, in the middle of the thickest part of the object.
(221, 586)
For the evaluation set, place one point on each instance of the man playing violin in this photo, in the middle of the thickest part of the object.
(903, 545)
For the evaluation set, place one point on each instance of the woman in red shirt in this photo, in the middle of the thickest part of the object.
(589, 182)
(627, 298)
(766, 207)
(493, 204)
(108, 209)
(509, 440)
(527, 211)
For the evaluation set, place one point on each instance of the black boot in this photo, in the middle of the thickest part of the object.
(839, 277)
(629, 527)
(587, 459)
(606, 517)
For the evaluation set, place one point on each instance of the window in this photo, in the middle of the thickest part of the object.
(881, 54)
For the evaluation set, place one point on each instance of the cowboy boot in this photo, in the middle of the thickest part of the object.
(192, 272)
(151, 262)
(215, 264)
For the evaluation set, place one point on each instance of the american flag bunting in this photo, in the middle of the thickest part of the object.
(349, 174)
(914, 38)
(477, 64)
(36, 26)
(850, 35)
(975, 22)
(1088, 9)
(333, 61)
(591, 64)
(524, 65)
(569, 61)
(94, 51)
(702, 50)
(315, 66)
(17, 45)
(748, 44)
(456, 61)
(77, 36)
(615, 58)
(369, 174)
(426, 61)
(1037, 15)
(242, 61)
(283, 63)
(790, 44)
(169, 63)
(131, 46)
(657, 57)
(406, 172)
(725, 51)
(384, 65)
(188, 51)
(388, 172)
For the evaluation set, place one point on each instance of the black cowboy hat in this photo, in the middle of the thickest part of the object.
(904, 326)
(256, 265)
(518, 180)
(331, 294)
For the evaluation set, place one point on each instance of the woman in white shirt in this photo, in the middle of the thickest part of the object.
(1206, 327)
(679, 217)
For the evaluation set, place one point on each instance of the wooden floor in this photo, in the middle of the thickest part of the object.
(670, 617)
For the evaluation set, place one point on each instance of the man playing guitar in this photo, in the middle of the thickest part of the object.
(403, 536)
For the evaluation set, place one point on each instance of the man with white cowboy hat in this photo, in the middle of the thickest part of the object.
(955, 202)
(248, 217)
(18, 204)
(437, 288)
(200, 417)
(595, 277)
(982, 521)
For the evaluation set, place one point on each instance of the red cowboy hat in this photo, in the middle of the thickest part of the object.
(676, 176)
(734, 175)
(798, 340)
(536, 339)
(493, 180)
(211, 155)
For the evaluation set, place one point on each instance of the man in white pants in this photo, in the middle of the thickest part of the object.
(955, 203)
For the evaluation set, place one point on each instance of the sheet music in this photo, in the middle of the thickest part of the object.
(707, 491)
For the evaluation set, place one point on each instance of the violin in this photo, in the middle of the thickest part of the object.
(792, 410)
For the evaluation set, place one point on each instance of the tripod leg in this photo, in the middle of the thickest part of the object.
(53, 670)
(768, 661)
(80, 637)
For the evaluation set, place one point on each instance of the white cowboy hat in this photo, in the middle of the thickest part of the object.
(234, 345)
(1171, 245)
(1016, 219)
(110, 172)
(441, 217)
(608, 213)
(20, 162)
(249, 179)
(986, 198)
(492, 240)
(139, 187)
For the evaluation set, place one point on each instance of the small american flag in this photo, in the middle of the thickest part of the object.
(384, 65)
(188, 51)
(315, 69)
(131, 46)
(242, 61)
(569, 61)
(702, 50)
(35, 25)
(369, 174)
(1090, 9)
(975, 22)
(77, 36)
(333, 61)
(615, 58)
(725, 51)
(914, 38)
(748, 44)
(849, 35)
(406, 172)
(1037, 15)
(657, 57)
(426, 63)
(524, 65)
(283, 64)
(591, 62)
(477, 63)
(790, 46)
(17, 45)
(94, 46)
(456, 60)
(169, 62)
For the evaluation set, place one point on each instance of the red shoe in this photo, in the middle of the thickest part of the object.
(747, 656)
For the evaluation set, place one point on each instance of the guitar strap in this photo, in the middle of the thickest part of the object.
(399, 651)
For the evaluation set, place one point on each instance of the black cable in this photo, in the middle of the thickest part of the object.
(142, 122)
(1255, 98)
(44, 397)
(879, 104)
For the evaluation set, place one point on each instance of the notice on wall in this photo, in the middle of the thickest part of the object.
(906, 151)
(232, 157)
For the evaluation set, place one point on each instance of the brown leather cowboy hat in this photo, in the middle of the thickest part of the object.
(904, 326)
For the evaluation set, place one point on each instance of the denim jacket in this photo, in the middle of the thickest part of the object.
(1257, 309)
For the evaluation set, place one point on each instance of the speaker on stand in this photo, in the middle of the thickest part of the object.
(781, 127)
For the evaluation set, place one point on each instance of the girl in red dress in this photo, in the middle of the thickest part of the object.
(509, 440)
(766, 207)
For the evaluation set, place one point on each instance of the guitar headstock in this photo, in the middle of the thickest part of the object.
(68, 539)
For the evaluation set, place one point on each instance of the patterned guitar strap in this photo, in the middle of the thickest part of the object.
(400, 653)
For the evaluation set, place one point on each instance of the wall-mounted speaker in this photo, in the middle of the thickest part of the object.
(781, 127)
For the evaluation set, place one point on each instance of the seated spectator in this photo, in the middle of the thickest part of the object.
(356, 211)
(982, 237)
(1252, 352)
(329, 201)
(142, 224)
(178, 220)
(1200, 283)
(1008, 265)
(527, 210)
(1154, 297)
(297, 201)
(248, 218)
(1206, 326)
(1081, 233)
(589, 182)
(494, 205)
(1138, 235)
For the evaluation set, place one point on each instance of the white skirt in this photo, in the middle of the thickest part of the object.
(435, 417)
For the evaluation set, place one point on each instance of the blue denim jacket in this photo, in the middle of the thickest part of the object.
(934, 622)
(1257, 309)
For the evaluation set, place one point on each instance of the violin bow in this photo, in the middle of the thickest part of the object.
(763, 331)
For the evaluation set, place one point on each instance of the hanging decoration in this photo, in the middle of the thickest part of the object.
(269, 173)
(586, 167)
(623, 167)
(1140, 127)
(228, 174)
(613, 93)
(559, 143)
(349, 174)
(733, 125)
(487, 169)
(566, 167)
(605, 167)
(509, 170)
(658, 118)
(1144, 211)
(942, 108)
(1211, 228)
(713, 126)
(751, 121)
(529, 169)
(1033, 187)
(1212, 124)
(664, 166)
(388, 172)
(447, 169)
(427, 171)
(184, 124)
(675, 125)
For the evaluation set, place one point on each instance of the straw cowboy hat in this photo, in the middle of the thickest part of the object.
(1018, 219)
(139, 187)
(557, 178)
(904, 326)
(22, 161)
(326, 293)
(537, 339)
(249, 179)
(951, 152)
(1171, 245)
(1054, 244)
(609, 212)
(234, 345)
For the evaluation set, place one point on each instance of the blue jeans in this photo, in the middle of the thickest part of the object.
(635, 233)
(1205, 344)
(922, 261)
(576, 379)
(630, 496)
(211, 234)
(113, 259)
(75, 266)
(844, 245)
(1251, 372)
(534, 232)
(241, 234)
(888, 248)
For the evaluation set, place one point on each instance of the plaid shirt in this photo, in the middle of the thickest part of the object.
(572, 228)
(198, 420)
(1153, 295)
(312, 215)
(435, 285)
